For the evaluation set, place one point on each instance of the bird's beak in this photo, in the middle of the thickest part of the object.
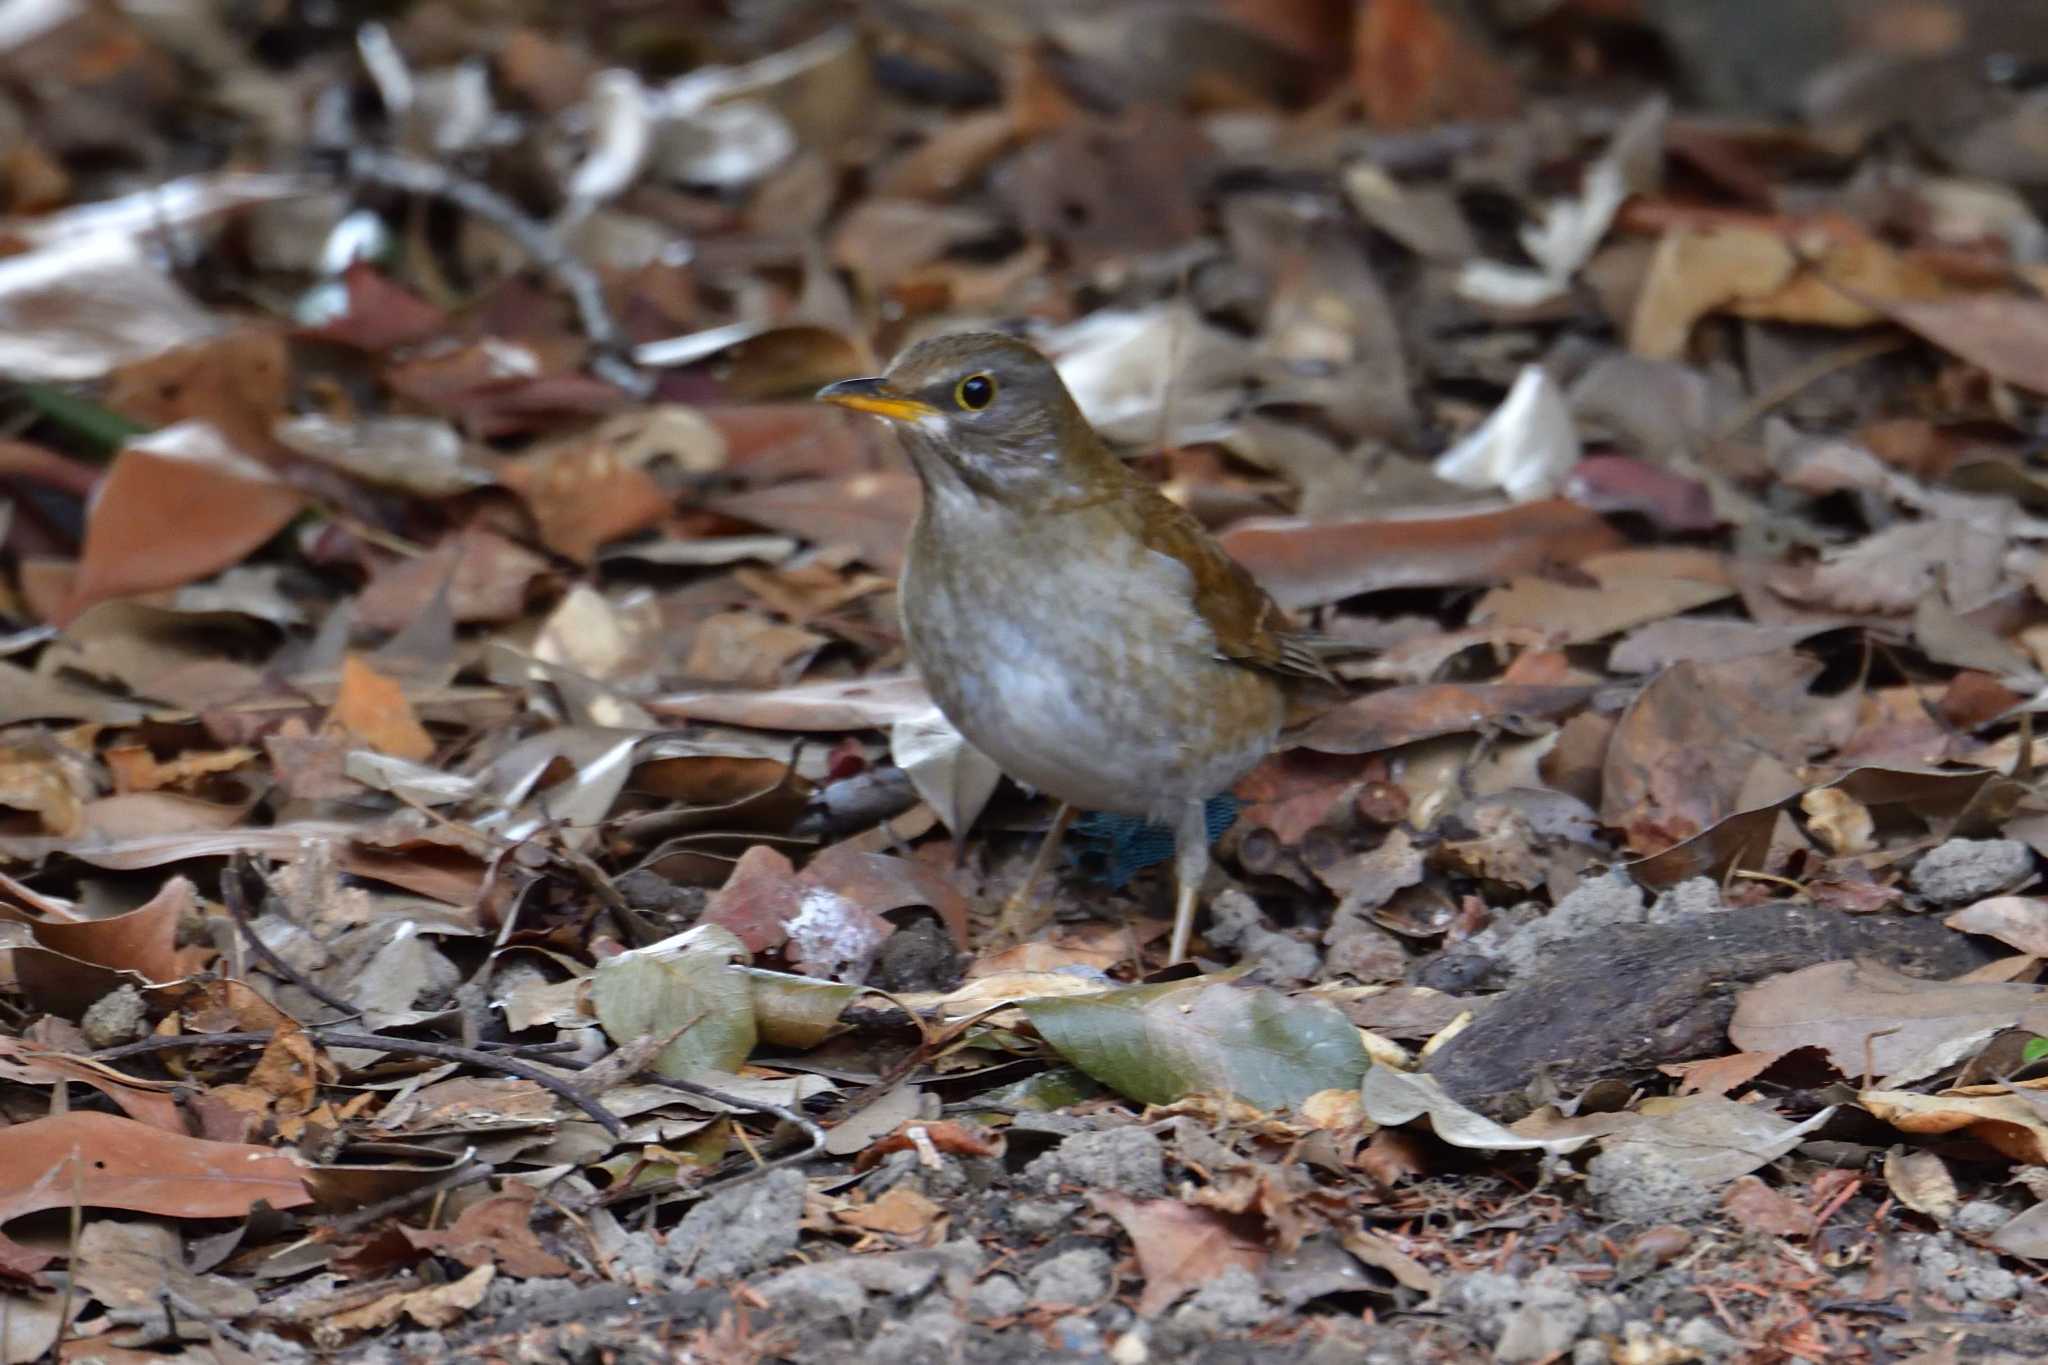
(875, 395)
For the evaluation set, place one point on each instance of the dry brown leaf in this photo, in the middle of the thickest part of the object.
(2014, 1124)
(101, 1161)
(901, 1212)
(1842, 821)
(1704, 741)
(1922, 1182)
(373, 708)
(1181, 1247)
(143, 941)
(136, 769)
(495, 1230)
(748, 649)
(487, 578)
(1631, 589)
(435, 1307)
(35, 781)
(1303, 564)
(1873, 1020)
(584, 494)
(2019, 921)
(1401, 715)
(173, 510)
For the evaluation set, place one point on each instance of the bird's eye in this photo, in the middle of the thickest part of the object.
(975, 392)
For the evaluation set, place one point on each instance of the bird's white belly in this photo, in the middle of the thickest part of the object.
(1098, 689)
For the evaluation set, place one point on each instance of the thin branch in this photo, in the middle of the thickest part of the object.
(469, 1171)
(411, 176)
(377, 1042)
(233, 894)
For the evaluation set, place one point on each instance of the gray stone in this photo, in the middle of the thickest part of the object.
(933, 1335)
(818, 1291)
(1078, 1336)
(1518, 944)
(1979, 1218)
(1078, 1278)
(1694, 896)
(1232, 1302)
(1042, 1217)
(902, 1274)
(1959, 1272)
(998, 1296)
(1637, 1184)
(1127, 1159)
(740, 1230)
(1963, 870)
(1235, 921)
(120, 1016)
(1706, 1337)
(1527, 1318)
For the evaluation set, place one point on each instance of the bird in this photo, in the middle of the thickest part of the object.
(1071, 621)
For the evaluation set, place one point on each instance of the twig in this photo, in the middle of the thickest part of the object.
(466, 1172)
(411, 176)
(1806, 376)
(794, 1117)
(376, 1042)
(232, 895)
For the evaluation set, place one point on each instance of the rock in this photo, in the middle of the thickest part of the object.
(1964, 870)
(1635, 1184)
(1979, 1218)
(1128, 1159)
(1231, 1302)
(1042, 1217)
(1958, 1272)
(1235, 921)
(1694, 896)
(120, 1016)
(998, 1296)
(1076, 1278)
(1527, 1318)
(740, 1230)
(818, 1291)
(1518, 944)
(934, 1335)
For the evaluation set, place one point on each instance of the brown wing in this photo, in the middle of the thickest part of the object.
(1249, 625)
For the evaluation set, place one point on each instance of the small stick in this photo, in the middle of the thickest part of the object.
(232, 895)
(466, 1172)
(375, 1042)
(412, 176)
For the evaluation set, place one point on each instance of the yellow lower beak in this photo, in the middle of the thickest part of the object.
(875, 395)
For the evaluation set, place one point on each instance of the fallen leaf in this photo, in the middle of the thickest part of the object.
(176, 506)
(1158, 1044)
(1874, 1021)
(103, 1161)
(1304, 564)
(373, 708)
(1181, 1247)
(2019, 921)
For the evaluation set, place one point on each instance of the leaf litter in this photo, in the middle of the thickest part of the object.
(469, 843)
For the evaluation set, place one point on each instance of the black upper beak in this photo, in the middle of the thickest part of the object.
(869, 387)
(874, 395)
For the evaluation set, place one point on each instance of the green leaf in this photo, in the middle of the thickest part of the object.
(100, 428)
(798, 1011)
(1157, 1044)
(2034, 1051)
(686, 986)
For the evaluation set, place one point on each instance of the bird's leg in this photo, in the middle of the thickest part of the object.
(1190, 866)
(1019, 903)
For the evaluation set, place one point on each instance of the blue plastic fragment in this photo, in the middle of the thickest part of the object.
(1112, 849)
